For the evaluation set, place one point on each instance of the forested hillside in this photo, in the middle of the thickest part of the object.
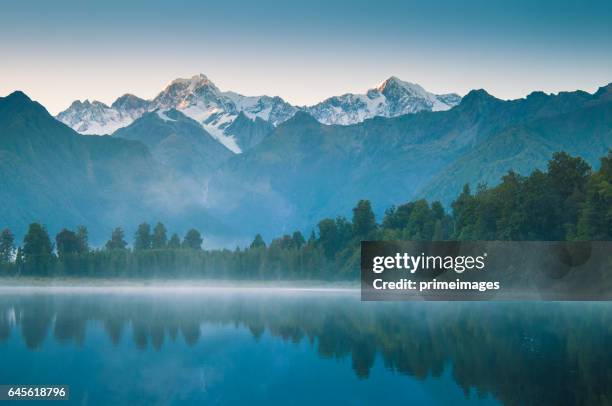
(568, 201)
(305, 170)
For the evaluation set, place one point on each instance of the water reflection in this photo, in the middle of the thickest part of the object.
(532, 353)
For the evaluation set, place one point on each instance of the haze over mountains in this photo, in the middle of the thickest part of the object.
(174, 163)
(199, 99)
(51, 174)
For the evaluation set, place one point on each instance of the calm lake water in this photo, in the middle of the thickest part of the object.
(304, 348)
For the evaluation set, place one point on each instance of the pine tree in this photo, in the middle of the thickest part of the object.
(258, 242)
(159, 239)
(297, 240)
(117, 241)
(464, 208)
(67, 243)
(83, 239)
(142, 238)
(37, 250)
(7, 246)
(175, 242)
(364, 221)
(595, 222)
(193, 240)
(568, 177)
(328, 237)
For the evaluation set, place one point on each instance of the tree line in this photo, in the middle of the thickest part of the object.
(568, 201)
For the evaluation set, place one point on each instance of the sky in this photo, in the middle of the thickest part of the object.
(304, 51)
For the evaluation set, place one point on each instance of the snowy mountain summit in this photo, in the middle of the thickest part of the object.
(196, 97)
(200, 99)
(97, 118)
(391, 98)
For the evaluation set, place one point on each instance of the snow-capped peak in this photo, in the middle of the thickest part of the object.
(186, 86)
(129, 102)
(272, 109)
(94, 117)
(394, 86)
(396, 82)
(198, 98)
(192, 82)
(183, 93)
(392, 97)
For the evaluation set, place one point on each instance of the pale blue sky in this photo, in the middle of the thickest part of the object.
(303, 51)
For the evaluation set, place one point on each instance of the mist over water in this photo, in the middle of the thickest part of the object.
(143, 346)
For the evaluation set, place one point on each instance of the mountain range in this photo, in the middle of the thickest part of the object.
(166, 165)
(198, 98)
(305, 170)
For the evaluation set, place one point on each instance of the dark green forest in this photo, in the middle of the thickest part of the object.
(568, 201)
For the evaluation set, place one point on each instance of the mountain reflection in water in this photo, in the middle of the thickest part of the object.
(514, 353)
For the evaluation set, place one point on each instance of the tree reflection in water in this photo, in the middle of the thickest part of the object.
(521, 353)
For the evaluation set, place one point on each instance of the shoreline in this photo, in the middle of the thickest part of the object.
(186, 286)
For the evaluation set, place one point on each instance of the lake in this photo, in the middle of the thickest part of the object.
(302, 347)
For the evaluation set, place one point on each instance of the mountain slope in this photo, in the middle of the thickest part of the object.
(586, 132)
(47, 168)
(249, 132)
(177, 141)
(305, 170)
(51, 174)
